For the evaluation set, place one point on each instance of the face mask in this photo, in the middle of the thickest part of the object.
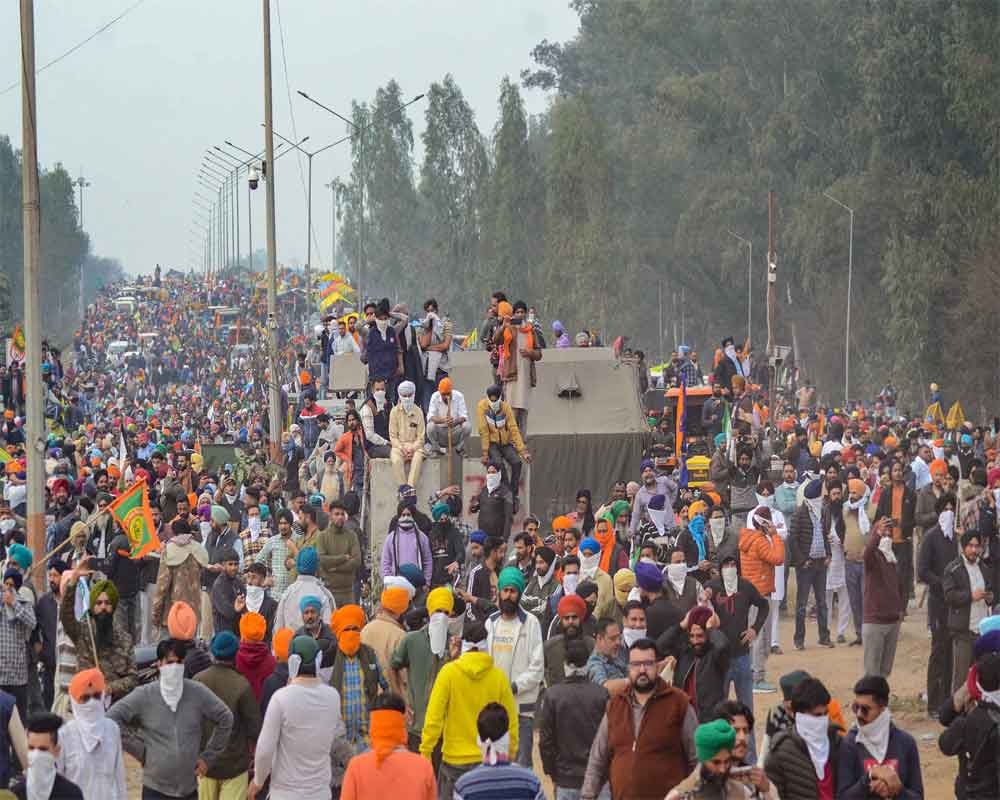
(814, 731)
(494, 751)
(41, 773)
(570, 582)
(729, 579)
(349, 642)
(875, 735)
(88, 717)
(206, 529)
(730, 351)
(494, 405)
(407, 403)
(677, 573)
(946, 519)
(172, 684)
(492, 480)
(382, 325)
(633, 635)
(231, 498)
(379, 396)
(437, 630)
(255, 598)
(767, 500)
(885, 546)
(254, 524)
(405, 523)
(718, 528)
(575, 672)
(7, 524)
(589, 564)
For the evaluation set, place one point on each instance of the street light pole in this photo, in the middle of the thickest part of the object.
(273, 397)
(233, 178)
(332, 186)
(309, 220)
(749, 245)
(850, 274)
(81, 183)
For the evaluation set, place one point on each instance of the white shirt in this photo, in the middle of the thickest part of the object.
(921, 473)
(439, 408)
(977, 610)
(301, 729)
(343, 344)
(100, 774)
(831, 447)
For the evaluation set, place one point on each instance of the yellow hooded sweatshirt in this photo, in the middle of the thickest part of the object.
(460, 692)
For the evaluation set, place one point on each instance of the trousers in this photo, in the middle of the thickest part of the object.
(812, 578)
(854, 573)
(879, 642)
(228, 789)
(939, 665)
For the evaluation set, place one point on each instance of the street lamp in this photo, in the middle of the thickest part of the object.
(850, 273)
(333, 186)
(749, 245)
(233, 174)
(361, 154)
(81, 183)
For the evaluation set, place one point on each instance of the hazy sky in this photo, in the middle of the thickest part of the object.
(135, 108)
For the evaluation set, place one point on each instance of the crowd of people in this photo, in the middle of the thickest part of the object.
(615, 649)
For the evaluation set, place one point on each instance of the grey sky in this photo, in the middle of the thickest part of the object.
(136, 107)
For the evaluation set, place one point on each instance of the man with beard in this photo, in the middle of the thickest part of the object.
(702, 654)
(572, 609)
(221, 538)
(228, 593)
(473, 558)
(385, 630)
(968, 592)
(740, 718)
(523, 556)
(652, 485)
(810, 554)
(339, 555)
(712, 412)
(17, 621)
(898, 502)
(278, 553)
(645, 744)
(350, 452)
(289, 613)
(311, 608)
(100, 632)
(482, 591)
(836, 579)
(258, 598)
(446, 544)
(541, 586)
(514, 640)
(47, 616)
(716, 744)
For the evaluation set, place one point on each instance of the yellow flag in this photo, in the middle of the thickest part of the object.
(956, 417)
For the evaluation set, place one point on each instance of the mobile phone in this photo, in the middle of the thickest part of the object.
(737, 772)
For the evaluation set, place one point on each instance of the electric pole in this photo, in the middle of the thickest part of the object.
(35, 422)
(273, 395)
(81, 183)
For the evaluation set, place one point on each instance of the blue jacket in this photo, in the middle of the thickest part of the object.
(852, 778)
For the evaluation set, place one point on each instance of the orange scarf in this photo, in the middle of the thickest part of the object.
(607, 542)
(388, 732)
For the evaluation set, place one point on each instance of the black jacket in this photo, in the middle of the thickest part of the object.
(446, 548)
(568, 721)
(790, 769)
(973, 737)
(496, 511)
(936, 553)
(46, 615)
(800, 534)
(276, 680)
(62, 789)
(123, 571)
(734, 612)
(908, 513)
(958, 593)
(661, 615)
(710, 669)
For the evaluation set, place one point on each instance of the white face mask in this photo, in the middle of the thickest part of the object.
(814, 730)
(590, 564)
(88, 717)
(676, 574)
(255, 598)
(765, 500)
(172, 684)
(885, 546)
(253, 523)
(407, 403)
(493, 750)
(633, 635)
(206, 528)
(729, 579)
(437, 629)
(7, 524)
(875, 735)
(718, 529)
(570, 582)
(379, 396)
(492, 480)
(494, 405)
(946, 519)
(730, 351)
(382, 325)
(41, 773)
(231, 498)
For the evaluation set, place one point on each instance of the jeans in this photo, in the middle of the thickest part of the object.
(741, 675)
(879, 642)
(525, 740)
(854, 572)
(812, 577)
(507, 453)
(574, 794)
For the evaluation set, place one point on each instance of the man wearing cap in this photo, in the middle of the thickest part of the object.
(339, 555)
(385, 631)
(422, 653)
(302, 733)
(100, 631)
(514, 640)
(90, 745)
(355, 673)
(571, 610)
(808, 540)
(406, 436)
(254, 660)
(305, 585)
(228, 776)
(161, 726)
(447, 411)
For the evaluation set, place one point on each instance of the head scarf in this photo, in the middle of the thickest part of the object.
(413, 574)
(618, 508)
(310, 601)
(343, 618)
(388, 732)
(604, 535)
(224, 645)
(712, 737)
(280, 641)
(572, 604)
(15, 577)
(696, 527)
(648, 577)
(182, 623)
(86, 682)
(438, 510)
(938, 467)
(307, 561)
(624, 580)
(219, 515)
(20, 554)
(399, 582)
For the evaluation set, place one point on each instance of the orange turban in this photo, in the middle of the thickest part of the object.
(505, 309)
(444, 386)
(889, 442)
(253, 627)
(562, 523)
(280, 641)
(347, 617)
(856, 486)
(87, 681)
(938, 467)
(182, 623)
(395, 599)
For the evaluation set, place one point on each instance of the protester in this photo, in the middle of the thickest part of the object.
(496, 778)
(810, 555)
(883, 605)
(42, 781)
(179, 576)
(971, 734)
(90, 745)
(968, 593)
(572, 609)
(17, 621)
(305, 585)
(254, 660)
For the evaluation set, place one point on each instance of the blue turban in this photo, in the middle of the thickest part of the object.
(224, 645)
(646, 463)
(813, 489)
(310, 600)
(720, 439)
(21, 555)
(591, 544)
(986, 643)
(413, 574)
(307, 561)
(478, 537)
(990, 623)
(966, 440)
(648, 576)
(438, 510)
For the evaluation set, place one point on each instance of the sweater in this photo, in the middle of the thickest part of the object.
(233, 690)
(855, 761)
(339, 558)
(168, 743)
(882, 603)
(500, 781)
(409, 547)
(460, 691)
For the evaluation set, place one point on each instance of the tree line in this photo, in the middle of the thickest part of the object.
(670, 121)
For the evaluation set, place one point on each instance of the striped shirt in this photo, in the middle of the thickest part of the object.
(502, 781)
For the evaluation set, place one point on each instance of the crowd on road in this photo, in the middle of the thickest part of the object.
(615, 649)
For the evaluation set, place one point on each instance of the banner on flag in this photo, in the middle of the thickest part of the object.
(132, 511)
